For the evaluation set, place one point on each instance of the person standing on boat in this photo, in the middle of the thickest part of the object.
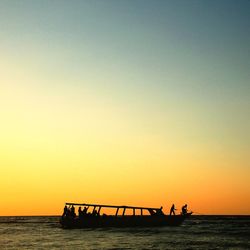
(172, 210)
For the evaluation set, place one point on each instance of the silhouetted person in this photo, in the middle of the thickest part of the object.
(72, 211)
(84, 212)
(65, 211)
(79, 212)
(159, 211)
(184, 209)
(172, 210)
(94, 213)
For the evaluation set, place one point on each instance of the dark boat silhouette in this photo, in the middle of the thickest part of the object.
(154, 217)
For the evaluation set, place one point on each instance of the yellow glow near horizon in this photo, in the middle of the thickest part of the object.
(44, 168)
(49, 156)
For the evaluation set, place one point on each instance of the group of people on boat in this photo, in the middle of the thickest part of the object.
(70, 212)
(183, 210)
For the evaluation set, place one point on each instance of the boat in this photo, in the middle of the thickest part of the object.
(90, 216)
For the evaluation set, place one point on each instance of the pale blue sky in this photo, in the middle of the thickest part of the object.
(193, 52)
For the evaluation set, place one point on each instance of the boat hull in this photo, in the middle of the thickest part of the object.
(123, 221)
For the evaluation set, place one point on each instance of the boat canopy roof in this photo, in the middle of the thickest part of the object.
(110, 206)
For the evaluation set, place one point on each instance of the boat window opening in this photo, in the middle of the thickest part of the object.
(108, 211)
(136, 212)
(146, 212)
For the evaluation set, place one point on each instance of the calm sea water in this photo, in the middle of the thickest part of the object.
(197, 232)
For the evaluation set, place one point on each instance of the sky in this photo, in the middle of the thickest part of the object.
(125, 102)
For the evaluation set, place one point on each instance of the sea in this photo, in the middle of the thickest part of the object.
(197, 232)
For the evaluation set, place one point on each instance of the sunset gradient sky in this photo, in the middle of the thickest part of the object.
(130, 102)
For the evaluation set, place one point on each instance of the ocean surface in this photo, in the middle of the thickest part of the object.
(197, 232)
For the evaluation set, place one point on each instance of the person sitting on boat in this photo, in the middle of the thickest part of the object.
(172, 210)
(85, 209)
(80, 212)
(184, 209)
(72, 211)
(159, 211)
(94, 213)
